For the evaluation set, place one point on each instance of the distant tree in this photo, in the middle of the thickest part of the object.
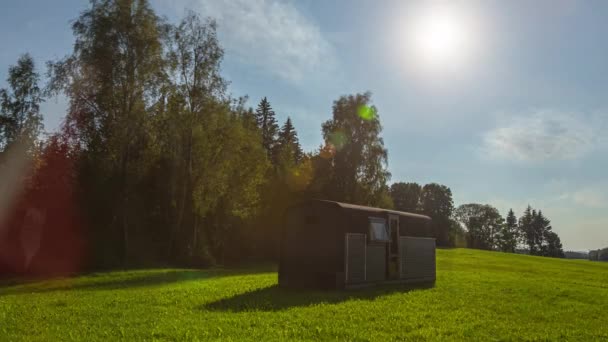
(20, 116)
(356, 159)
(285, 184)
(552, 246)
(537, 234)
(267, 123)
(547, 242)
(483, 223)
(526, 229)
(509, 234)
(457, 235)
(436, 202)
(246, 114)
(406, 196)
(540, 226)
(287, 144)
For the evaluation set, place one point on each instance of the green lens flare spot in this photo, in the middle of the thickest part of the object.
(366, 112)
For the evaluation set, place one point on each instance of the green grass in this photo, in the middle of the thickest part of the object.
(478, 296)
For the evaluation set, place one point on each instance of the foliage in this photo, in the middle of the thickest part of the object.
(20, 117)
(288, 149)
(483, 224)
(354, 153)
(267, 123)
(157, 164)
(436, 202)
(406, 196)
(167, 163)
(537, 235)
(112, 79)
(457, 235)
(478, 296)
(509, 234)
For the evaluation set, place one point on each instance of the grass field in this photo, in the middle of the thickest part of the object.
(478, 296)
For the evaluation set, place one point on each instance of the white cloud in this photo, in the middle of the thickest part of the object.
(268, 34)
(590, 198)
(542, 136)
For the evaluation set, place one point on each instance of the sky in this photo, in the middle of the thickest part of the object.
(503, 101)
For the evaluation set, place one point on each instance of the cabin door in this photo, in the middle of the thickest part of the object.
(355, 258)
(393, 262)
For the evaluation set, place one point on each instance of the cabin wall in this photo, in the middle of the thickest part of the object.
(309, 254)
(376, 262)
(355, 258)
(317, 235)
(375, 252)
(417, 258)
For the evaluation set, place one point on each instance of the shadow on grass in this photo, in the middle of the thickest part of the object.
(274, 298)
(122, 280)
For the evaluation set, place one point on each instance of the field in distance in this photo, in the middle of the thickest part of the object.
(478, 295)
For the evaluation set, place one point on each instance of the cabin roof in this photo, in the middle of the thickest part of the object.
(375, 210)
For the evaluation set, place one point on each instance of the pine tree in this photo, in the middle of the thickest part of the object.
(288, 142)
(540, 227)
(509, 234)
(265, 118)
(526, 229)
(552, 245)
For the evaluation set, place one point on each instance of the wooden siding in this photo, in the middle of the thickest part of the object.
(355, 258)
(376, 262)
(417, 258)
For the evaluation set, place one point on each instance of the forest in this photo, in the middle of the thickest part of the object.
(156, 163)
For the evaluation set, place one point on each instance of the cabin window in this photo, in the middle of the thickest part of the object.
(378, 230)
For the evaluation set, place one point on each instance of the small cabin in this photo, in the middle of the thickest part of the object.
(327, 244)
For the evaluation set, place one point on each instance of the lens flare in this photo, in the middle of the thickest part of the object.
(366, 113)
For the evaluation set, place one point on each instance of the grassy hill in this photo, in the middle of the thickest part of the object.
(478, 295)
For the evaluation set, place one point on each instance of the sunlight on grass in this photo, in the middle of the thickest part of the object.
(478, 295)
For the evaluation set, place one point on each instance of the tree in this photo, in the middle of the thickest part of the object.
(540, 226)
(457, 235)
(113, 79)
(526, 229)
(267, 123)
(20, 117)
(509, 234)
(483, 223)
(436, 202)
(553, 245)
(288, 144)
(355, 153)
(537, 234)
(406, 196)
(194, 123)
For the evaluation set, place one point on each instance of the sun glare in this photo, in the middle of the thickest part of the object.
(440, 36)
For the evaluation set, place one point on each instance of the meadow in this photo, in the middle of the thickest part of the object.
(478, 295)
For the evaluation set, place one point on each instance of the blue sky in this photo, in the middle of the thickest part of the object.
(519, 120)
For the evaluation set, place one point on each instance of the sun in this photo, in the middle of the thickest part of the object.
(440, 36)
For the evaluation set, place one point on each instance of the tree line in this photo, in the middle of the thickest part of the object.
(476, 225)
(156, 163)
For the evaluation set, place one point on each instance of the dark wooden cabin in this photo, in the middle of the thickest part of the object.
(328, 244)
